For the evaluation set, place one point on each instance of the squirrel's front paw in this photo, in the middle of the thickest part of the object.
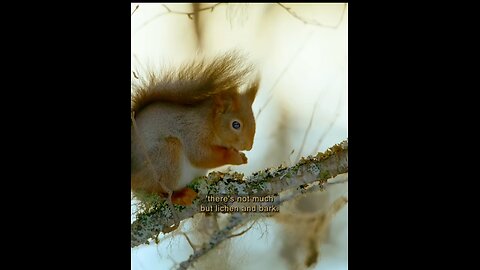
(240, 159)
(235, 157)
(244, 158)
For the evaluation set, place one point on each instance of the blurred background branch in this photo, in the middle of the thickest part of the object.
(312, 21)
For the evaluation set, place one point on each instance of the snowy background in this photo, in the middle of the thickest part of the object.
(303, 88)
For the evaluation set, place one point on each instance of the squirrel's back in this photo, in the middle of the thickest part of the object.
(163, 119)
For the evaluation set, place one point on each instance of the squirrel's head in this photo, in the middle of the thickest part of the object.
(234, 121)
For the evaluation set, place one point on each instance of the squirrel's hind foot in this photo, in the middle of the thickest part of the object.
(184, 196)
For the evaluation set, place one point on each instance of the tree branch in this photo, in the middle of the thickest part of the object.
(237, 219)
(190, 14)
(170, 11)
(308, 175)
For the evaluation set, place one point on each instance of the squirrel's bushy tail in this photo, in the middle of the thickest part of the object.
(192, 82)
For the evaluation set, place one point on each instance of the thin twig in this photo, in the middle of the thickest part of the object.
(134, 10)
(169, 11)
(189, 241)
(190, 14)
(311, 216)
(308, 129)
(216, 239)
(139, 65)
(330, 126)
(289, 64)
(135, 75)
(312, 21)
(242, 232)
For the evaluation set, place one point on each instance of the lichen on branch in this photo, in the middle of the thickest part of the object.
(155, 216)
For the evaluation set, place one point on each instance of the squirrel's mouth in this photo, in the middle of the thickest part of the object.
(232, 149)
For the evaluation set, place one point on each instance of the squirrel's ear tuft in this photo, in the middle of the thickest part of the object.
(252, 89)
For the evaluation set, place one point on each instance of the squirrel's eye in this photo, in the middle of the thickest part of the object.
(235, 124)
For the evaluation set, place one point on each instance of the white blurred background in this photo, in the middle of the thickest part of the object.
(301, 107)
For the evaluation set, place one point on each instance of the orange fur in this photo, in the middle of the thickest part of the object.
(183, 123)
(184, 196)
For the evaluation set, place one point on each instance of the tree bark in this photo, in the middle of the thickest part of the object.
(282, 183)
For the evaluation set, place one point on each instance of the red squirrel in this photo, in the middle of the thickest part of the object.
(189, 120)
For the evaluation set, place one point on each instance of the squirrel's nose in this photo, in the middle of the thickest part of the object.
(249, 145)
